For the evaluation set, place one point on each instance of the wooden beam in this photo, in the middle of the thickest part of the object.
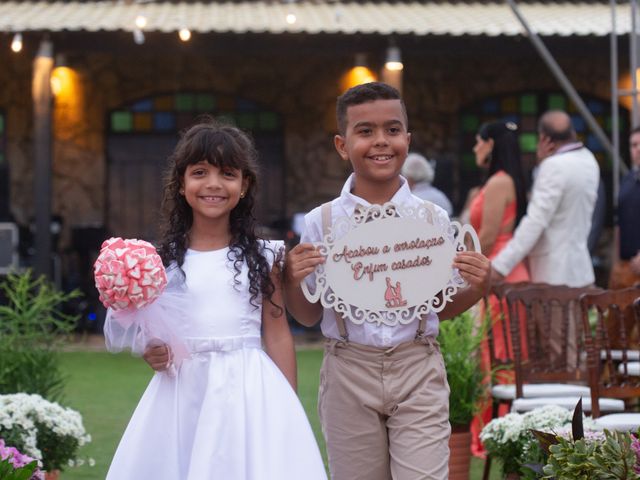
(42, 111)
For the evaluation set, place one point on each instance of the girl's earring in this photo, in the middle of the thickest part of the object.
(181, 192)
(241, 194)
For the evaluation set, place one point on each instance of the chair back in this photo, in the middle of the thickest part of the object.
(613, 317)
(499, 325)
(548, 338)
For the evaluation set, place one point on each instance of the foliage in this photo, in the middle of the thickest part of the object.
(44, 430)
(460, 340)
(511, 440)
(610, 459)
(582, 454)
(32, 325)
(16, 466)
(9, 472)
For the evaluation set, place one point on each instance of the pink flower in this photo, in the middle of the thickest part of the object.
(128, 273)
(18, 460)
(635, 446)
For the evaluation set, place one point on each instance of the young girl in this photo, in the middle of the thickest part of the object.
(229, 411)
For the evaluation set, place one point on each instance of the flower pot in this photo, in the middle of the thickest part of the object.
(52, 475)
(459, 453)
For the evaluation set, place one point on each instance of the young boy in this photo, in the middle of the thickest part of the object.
(384, 398)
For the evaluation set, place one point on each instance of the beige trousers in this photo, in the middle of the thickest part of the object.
(385, 412)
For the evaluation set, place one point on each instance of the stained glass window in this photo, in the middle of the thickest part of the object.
(177, 111)
(524, 109)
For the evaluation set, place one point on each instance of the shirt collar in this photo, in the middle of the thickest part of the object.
(349, 201)
(569, 147)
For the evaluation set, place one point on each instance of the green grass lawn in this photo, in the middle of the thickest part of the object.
(105, 389)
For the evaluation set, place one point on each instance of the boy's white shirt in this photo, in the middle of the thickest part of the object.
(366, 333)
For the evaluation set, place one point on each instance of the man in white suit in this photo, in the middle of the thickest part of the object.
(554, 232)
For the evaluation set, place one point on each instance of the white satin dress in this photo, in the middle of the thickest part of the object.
(229, 413)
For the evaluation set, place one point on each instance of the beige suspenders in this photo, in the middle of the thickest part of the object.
(325, 211)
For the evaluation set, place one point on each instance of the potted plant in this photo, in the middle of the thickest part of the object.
(510, 438)
(32, 326)
(460, 340)
(44, 430)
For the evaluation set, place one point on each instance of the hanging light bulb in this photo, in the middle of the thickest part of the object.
(394, 59)
(138, 36)
(291, 18)
(16, 43)
(184, 34)
(141, 22)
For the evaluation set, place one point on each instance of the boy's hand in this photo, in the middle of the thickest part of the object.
(475, 269)
(158, 356)
(301, 260)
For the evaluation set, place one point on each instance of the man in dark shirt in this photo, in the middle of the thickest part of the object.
(626, 268)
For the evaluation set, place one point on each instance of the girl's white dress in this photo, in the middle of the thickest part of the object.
(228, 413)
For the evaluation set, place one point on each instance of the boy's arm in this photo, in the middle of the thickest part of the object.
(475, 268)
(300, 262)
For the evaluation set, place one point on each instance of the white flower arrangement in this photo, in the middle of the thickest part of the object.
(513, 426)
(43, 430)
(509, 437)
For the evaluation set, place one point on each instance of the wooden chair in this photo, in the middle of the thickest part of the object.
(550, 356)
(500, 362)
(614, 352)
(503, 361)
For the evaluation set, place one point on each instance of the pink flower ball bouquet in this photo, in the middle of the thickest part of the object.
(128, 273)
(143, 309)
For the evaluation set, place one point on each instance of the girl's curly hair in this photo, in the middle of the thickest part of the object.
(223, 146)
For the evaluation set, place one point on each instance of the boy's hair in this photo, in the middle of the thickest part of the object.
(367, 92)
(223, 146)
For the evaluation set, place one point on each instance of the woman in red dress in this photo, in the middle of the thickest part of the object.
(495, 212)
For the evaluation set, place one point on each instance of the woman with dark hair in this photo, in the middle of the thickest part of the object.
(494, 213)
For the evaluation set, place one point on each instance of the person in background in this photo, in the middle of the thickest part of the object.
(420, 174)
(626, 259)
(553, 233)
(495, 212)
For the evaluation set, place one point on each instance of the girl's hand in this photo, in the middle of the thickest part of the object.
(301, 260)
(158, 356)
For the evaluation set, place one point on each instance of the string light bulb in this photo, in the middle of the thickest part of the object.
(291, 18)
(16, 43)
(184, 34)
(141, 22)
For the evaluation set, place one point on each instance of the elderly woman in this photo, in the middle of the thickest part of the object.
(419, 173)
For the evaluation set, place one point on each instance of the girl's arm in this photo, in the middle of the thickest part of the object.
(300, 262)
(278, 342)
(499, 191)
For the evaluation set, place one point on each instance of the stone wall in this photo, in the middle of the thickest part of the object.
(438, 82)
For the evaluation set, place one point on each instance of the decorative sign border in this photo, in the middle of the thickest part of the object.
(451, 233)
